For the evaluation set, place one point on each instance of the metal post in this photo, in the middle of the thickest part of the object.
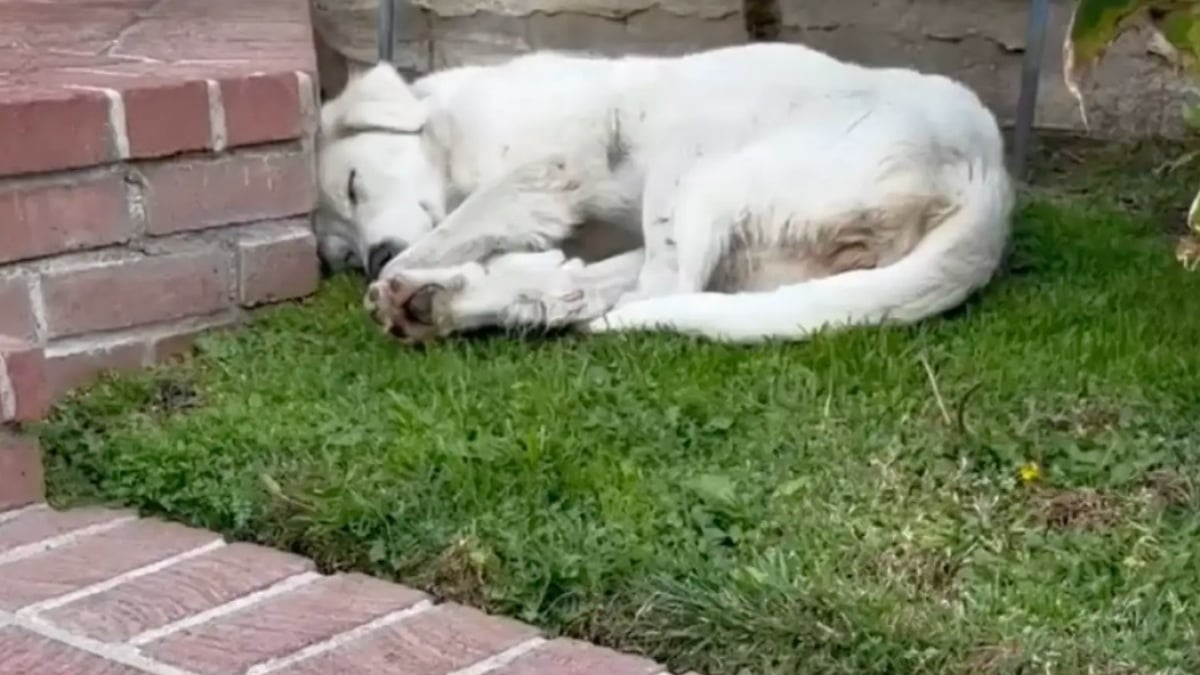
(1035, 46)
(386, 33)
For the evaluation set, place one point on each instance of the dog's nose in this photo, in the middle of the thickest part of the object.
(382, 253)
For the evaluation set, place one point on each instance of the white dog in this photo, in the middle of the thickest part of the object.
(777, 190)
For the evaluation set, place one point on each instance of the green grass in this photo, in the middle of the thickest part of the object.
(800, 508)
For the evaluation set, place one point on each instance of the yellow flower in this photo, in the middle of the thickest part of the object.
(1029, 472)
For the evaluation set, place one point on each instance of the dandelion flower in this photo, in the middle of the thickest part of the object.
(1029, 472)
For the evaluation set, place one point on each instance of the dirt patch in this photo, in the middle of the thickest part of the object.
(921, 571)
(175, 395)
(1004, 659)
(1167, 488)
(1087, 419)
(1083, 509)
(460, 573)
(1011, 659)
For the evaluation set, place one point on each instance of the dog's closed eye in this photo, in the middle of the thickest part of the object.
(351, 188)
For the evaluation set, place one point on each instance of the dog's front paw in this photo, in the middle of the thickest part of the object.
(410, 310)
(548, 310)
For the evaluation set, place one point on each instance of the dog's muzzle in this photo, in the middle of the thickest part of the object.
(381, 254)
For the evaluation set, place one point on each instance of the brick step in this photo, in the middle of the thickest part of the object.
(94, 83)
(157, 177)
(93, 591)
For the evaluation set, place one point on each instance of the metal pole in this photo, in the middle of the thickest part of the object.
(386, 30)
(1035, 46)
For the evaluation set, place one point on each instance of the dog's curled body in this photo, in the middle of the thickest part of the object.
(777, 190)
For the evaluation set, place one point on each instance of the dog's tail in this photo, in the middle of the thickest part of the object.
(952, 261)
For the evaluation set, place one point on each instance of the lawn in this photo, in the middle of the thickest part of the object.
(854, 504)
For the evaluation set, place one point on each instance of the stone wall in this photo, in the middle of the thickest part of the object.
(979, 41)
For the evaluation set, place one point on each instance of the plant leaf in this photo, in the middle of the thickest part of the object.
(1096, 24)
(1193, 217)
(714, 488)
(1180, 28)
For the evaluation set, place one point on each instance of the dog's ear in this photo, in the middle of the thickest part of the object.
(377, 98)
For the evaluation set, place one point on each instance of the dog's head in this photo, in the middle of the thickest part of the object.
(379, 190)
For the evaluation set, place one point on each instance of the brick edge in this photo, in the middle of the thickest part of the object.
(22, 481)
(23, 398)
(122, 120)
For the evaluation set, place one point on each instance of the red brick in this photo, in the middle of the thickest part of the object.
(436, 642)
(262, 108)
(93, 559)
(570, 657)
(278, 262)
(25, 653)
(189, 587)
(16, 308)
(282, 625)
(167, 118)
(135, 291)
(194, 194)
(49, 129)
(40, 524)
(23, 393)
(68, 370)
(47, 219)
(21, 481)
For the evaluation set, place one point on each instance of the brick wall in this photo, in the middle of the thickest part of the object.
(157, 177)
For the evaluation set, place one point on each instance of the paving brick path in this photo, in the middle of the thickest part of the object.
(101, 592)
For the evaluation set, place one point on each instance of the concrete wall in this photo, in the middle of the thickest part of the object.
(978, 41)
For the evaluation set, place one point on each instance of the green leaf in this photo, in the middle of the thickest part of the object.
(1096, 24)
(713, 488)
(792, 487)
(1180, 28)
(378, 551)
(1191, 117)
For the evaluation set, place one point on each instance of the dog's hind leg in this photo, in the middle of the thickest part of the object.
(684, 189)
(517, 291)
(680, 206)
(660, 266)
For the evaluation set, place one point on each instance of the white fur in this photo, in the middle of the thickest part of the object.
(823, 193)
